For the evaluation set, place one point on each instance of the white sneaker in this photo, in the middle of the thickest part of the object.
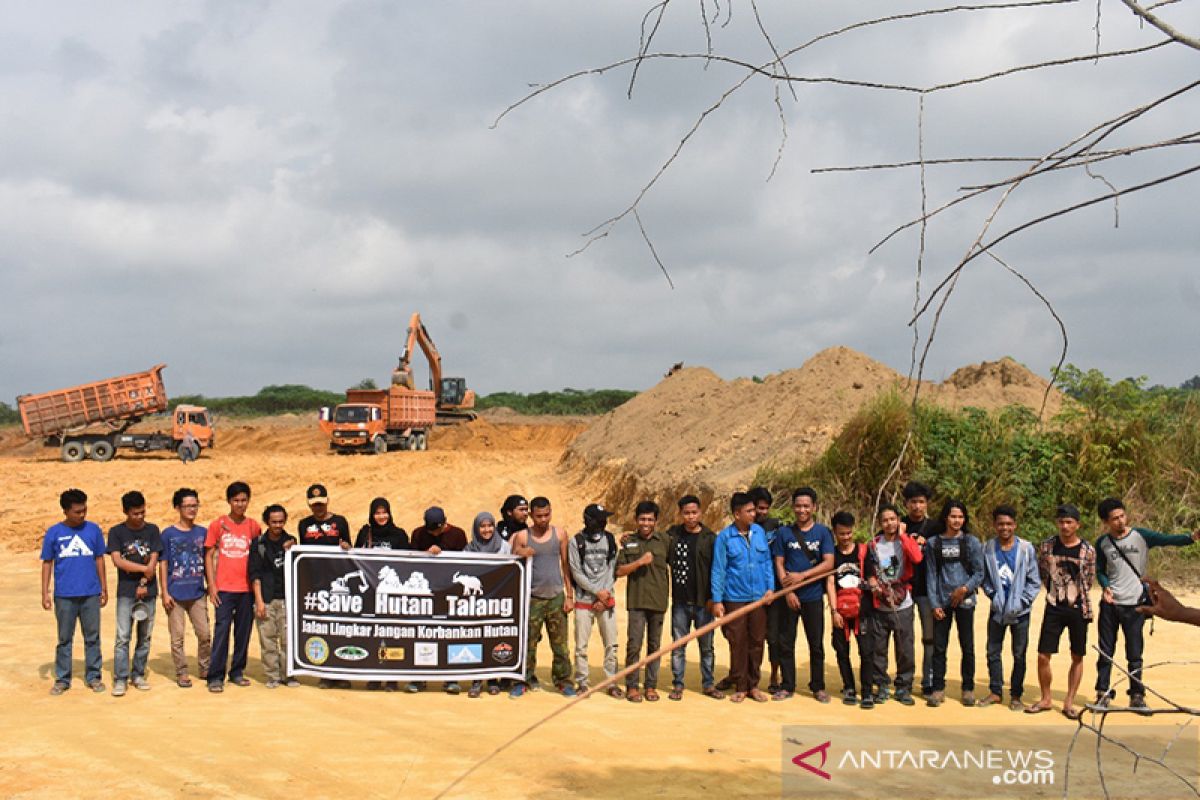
(272, 684)
(141, 684)
(118, 689)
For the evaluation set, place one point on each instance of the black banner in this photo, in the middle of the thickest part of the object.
(380, 615)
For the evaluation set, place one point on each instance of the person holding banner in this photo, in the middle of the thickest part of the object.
(550, 596)
(381, 532)
(485, 539)
(434, 537)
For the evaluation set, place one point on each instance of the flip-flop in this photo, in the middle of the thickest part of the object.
(633, 696)
(737, 697)
(782, 695)
(1037, 709)
(1072, 713)
(714, 693)
(184, 682)
(651, 695)
(759, 696)
(676, 694)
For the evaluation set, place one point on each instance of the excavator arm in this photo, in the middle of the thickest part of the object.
(461, 400)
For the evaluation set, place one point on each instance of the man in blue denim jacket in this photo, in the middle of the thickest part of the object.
(1011, 580)
(953, 571)
(742, 574)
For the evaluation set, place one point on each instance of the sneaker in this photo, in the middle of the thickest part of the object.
(880, 697)
(59, 687)
(291, 683)
(412, 687)
(140, 683)
(273, 684)
(1103, 699)
(822, 696)
(453, 688)
(905, 698)
(516, 691)
(935, 699)
(968, 699)
(567, 689)
(1137, 702)
(96, 686)
(118, 689)
(849, 697)
(240, 680)
(867, 702)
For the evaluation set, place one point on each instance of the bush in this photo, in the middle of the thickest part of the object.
(9, 415)
(567, 402)
(284, 399)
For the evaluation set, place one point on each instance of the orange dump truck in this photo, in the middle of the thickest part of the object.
(92, 419)
(378, 420)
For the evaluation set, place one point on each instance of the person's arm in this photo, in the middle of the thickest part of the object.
(831, 593)
(1156, 539)
(568, 587)
(1033, 584)
(575, 563)
(933, 583)
(717, 578)
(210, 574)
(343, 532)
(168, 602)
(363, 533)
(260, 608)
(1101, 563)
(913, 553)
(102, 573)
(626, 567)
(975, 561)
(1043, 562)
(989, 583)
(520, 544)
(1167, 607)
(47, 569)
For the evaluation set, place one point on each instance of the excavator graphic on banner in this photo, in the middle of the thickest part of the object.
(342, 585)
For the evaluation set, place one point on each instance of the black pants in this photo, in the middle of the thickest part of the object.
(894, 628)
(964, 620)
(866, 650)
(1130, 622)
(237, 612)
(995, 647)
(812, 616)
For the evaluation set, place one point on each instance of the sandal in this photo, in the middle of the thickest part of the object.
(184, 682)
(759, 696)
(1037, 708)
(737, 697)
(651, 695)
(1072, 713)
(781, 695)
(714, 693)
(633, 696)
(991, 699)
(615, 692)
(676, 694)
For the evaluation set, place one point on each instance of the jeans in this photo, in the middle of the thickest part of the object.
(995, 646)
(684, 618)
(1130, 622)
(648, 625)
(925, 612)
(125, 628)
(87, 611)
(236, 611)
(606, 621)
(963, 619)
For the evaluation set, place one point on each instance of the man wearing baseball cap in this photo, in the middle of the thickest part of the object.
(321, 526)
(592, 558)
(514, 516)
(1068, 566)
(434, 537)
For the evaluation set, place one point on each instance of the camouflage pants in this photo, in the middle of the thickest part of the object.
(550, 613)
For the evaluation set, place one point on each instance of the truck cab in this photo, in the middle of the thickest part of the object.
(194, 420)
(354, 426)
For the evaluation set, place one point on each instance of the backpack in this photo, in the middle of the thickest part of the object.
(582, 543)
(848, 600)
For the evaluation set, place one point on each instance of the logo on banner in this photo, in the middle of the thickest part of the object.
(503, 652)
(469, 583)
(390, 653)
(350, 653)
(316, 649)
(464, 654)
(389, 583)
(425, 654)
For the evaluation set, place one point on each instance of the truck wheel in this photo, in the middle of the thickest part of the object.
(422, 442)
(103, 450)
(73, 451)
(380, 445)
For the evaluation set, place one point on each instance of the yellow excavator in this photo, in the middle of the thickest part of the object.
(454, 401)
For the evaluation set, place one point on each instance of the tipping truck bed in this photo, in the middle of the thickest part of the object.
(116, 402)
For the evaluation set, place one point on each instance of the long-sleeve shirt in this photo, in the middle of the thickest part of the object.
(741, 569)
(1067, 573)
(951, 562)
(594, 569)
(1011, 602)
(1113, 573)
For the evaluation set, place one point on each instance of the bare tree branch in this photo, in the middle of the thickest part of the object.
(1158, 22)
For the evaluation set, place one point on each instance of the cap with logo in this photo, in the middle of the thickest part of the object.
(317, 494)
(596, 513)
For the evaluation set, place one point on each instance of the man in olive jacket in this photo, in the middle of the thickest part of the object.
(690, 556)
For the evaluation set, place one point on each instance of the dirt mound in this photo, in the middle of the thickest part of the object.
(485, 434)
(695, 432)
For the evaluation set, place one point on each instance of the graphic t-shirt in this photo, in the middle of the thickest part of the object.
(331, 531)
(1007, 567)
(135, 546)
(232, 540)
(1066, 562)
(389, 538)
(684, 569)
(183, 553)
(74, 552)
(802, 551)
(890, 559)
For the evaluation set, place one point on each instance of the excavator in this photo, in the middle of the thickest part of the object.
(454, 401)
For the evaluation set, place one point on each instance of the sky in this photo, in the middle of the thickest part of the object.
(263, 192)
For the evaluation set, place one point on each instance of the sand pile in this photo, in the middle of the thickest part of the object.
(695, 432)
(494, 434)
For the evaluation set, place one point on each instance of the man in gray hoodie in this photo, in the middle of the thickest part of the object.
(1011, 580)
(954, 572)
(592, 558)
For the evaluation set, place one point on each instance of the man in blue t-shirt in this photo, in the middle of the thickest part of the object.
(800, 552)
(73, 552)
(184, 593)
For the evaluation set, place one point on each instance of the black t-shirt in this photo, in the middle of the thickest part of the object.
(389, 538)
(508, 528)
(1067, 559)
(266, 564)
(684, 569)
(923, 528)
(135, 546)
(329, 531)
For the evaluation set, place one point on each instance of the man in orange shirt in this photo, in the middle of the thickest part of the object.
(230, 537)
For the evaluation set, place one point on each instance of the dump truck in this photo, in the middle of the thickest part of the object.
(93, 419)
(401, 416)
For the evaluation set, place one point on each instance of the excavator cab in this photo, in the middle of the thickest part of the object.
(454, 390)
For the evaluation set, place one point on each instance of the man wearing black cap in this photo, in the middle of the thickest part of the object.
(514, 516)
(592, 558)
(1068, 566)
(322, 527)
(436, 536)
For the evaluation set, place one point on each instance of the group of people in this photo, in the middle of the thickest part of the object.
(763, 579)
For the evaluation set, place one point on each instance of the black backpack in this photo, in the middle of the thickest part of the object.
(581, 543)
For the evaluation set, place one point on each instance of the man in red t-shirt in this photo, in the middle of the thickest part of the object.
(226, 565)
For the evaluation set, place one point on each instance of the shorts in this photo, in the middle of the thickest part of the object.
(1055, 621)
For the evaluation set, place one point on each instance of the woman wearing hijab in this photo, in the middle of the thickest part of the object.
(381, 533)
(485, 539)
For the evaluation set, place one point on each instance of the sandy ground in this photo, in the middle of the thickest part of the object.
(256, 742)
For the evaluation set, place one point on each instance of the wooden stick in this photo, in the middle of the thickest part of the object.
(662, 651)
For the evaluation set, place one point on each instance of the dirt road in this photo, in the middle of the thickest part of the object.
(306, 742)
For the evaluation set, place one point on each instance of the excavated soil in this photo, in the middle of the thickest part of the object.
(695, 432)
